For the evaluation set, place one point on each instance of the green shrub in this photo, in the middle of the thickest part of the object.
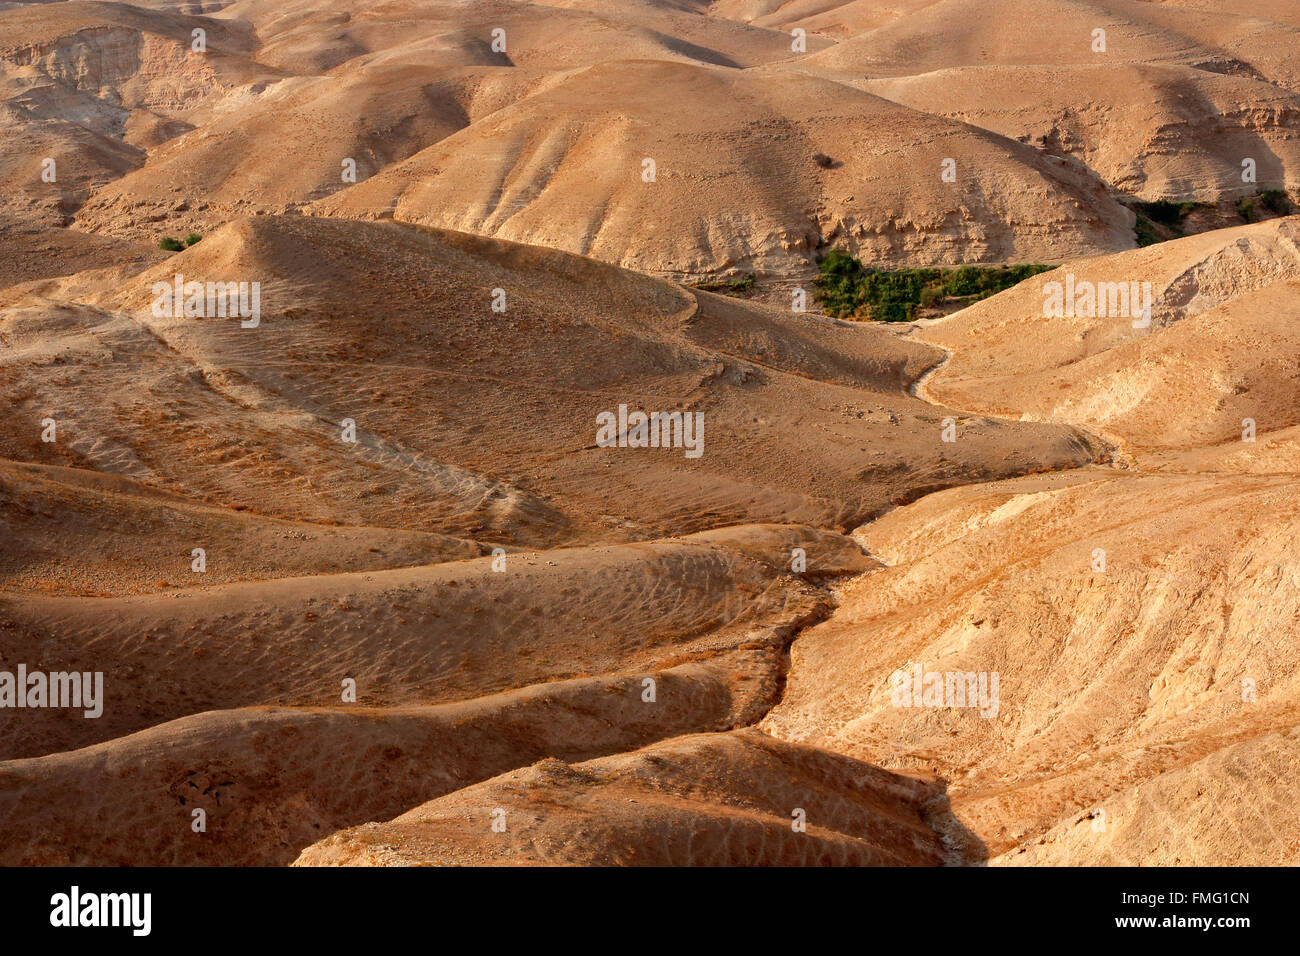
(893, 312)
(168, 244)
(1276, 200)
(193, 239)
(1146, 233)
(1164, 213)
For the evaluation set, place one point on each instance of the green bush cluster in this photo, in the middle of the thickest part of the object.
(1146, 233)
(847, 289)
(1274, 200)
(1165, 214)
(170, 244)
(1168, 214)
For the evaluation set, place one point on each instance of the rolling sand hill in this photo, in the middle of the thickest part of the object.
(827, 17)
(268, 778)
(1109, 680)
(93, 86)
(474, 423)
(70, 530)
(372, 117)
(451, 125)
(1168, 110)
(445, 631)
(712, 800)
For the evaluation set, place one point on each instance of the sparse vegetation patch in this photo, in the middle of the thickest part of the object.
(740, 287)
(847, 289)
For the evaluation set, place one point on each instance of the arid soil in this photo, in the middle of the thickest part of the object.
(366, 582)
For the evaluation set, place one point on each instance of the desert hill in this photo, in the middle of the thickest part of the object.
(267, 778)
(953, 33)
(1154, 612)
(447, 128)
(833, 18)
(735, 153)
(1140, 623)
(1108, 679)
(371, 583)
(712, 800)
(1155, 131)
(75, 531)
(474, 423)
(1221, 305)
